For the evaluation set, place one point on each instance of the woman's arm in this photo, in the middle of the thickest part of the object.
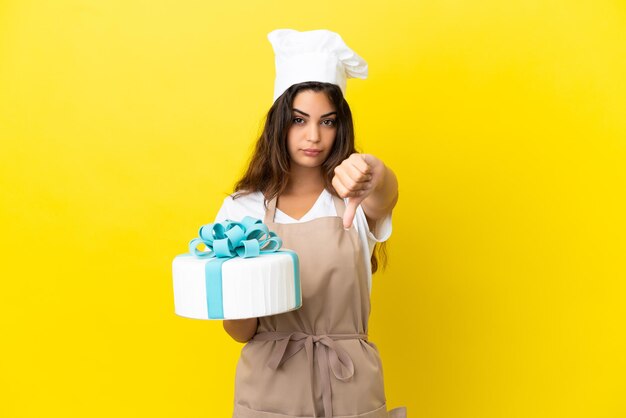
(383, 197)
(241, 329)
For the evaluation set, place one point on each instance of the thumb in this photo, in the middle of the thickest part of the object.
(348, 216)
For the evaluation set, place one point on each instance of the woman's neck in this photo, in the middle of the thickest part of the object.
(305, 180)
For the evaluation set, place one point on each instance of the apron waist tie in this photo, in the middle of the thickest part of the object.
(329, 355)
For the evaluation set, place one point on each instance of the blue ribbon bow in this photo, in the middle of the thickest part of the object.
(228, 239)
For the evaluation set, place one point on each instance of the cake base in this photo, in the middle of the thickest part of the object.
(236, 288)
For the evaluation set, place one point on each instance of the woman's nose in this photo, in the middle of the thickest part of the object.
(314, 133)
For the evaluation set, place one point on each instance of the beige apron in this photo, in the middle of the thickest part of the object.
(316, 361)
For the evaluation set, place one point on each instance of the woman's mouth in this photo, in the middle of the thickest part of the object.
(311, 152)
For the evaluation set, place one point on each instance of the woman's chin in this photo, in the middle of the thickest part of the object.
(309, 163)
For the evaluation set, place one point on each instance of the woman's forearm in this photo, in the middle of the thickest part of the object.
(384, 197)
(241, 329)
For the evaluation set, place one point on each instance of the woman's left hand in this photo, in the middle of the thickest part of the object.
(355, 178)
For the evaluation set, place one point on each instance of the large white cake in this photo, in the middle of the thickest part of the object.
(242, 274)
(250, 287)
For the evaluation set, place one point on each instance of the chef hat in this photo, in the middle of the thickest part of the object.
(316, 55)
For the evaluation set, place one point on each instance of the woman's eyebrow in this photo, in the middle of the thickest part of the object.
(306, 114)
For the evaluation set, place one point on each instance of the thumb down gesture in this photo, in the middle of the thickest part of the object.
(355, 178)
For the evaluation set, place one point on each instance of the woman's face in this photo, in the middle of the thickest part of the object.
(313, 129)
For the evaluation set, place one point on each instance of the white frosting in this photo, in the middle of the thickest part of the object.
(251, 287)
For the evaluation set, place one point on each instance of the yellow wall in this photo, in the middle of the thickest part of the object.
(123, 124)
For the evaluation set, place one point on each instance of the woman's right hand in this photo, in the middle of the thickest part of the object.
(241, 329)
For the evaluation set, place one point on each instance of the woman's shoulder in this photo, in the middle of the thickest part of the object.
(244, 197)
(240, 204)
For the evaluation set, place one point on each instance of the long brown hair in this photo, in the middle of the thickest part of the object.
(269, 167)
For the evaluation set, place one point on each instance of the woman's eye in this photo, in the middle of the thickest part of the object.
(297, 119)
(332, 122)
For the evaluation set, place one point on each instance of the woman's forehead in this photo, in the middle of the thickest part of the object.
(314, 103)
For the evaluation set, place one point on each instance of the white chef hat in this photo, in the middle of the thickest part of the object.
(316, 55)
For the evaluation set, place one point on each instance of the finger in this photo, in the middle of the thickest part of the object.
(369, 159)
(360, 162)
(348, 169)
(354, 193)
(343, 191)
(356, 172)
(348, 216)
(350, 183)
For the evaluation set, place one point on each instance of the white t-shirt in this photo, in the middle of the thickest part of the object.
(252, 205)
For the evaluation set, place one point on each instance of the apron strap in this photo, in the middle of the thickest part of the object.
(270, 212)
(340, 205)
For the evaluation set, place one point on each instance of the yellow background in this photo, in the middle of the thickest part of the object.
(123, 125)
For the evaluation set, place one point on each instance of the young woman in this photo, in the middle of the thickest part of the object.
(331, 205)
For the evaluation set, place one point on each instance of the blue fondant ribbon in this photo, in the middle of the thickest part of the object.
(248, 238)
